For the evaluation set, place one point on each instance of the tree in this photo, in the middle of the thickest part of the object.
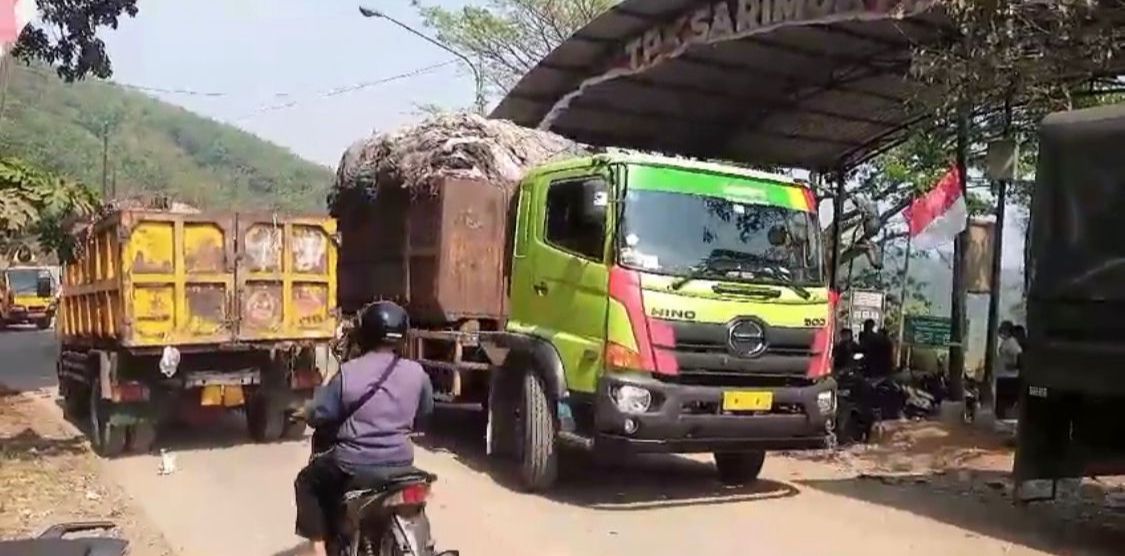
(36, 204)
(68, 38)
(509, 37)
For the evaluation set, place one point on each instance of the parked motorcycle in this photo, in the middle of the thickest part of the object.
(856, 413)
(388, 519)
(55, 542)
(972, 401)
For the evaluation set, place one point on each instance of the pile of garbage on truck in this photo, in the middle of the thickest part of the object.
(457, 145)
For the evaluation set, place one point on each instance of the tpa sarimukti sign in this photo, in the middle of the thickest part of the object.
(721, 21)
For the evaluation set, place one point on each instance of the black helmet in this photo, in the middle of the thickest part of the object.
(381, 323)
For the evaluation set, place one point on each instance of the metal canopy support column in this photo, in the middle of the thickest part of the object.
(837, 227)
(957, 303)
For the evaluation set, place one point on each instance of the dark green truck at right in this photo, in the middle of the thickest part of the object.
(1072, 400)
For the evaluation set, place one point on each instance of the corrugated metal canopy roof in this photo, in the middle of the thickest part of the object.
(815, 84)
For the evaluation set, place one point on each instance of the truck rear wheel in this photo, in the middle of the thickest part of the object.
(265, 420)
(107, 439)
(75, 400)
(538, 450)
(294, 429)
(739, 468)
(141, 437)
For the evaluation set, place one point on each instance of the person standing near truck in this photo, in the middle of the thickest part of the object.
(363, 418)
(1007, 374)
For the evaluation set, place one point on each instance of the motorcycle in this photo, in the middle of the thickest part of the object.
(856, 413)
(388, 518)
(972, 401)
(54, 542)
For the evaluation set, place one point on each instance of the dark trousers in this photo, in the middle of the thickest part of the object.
(1007, 394)
(320, 489)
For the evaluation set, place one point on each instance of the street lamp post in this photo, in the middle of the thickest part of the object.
(480, 103)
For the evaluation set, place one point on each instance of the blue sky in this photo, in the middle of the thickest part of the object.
(252, 50)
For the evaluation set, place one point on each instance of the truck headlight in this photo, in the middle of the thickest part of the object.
(826, 401)
(631, 399)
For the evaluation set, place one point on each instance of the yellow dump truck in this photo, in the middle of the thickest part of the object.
(28, 296)
(169, 315)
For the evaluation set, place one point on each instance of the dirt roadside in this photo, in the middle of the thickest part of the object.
(48, 475)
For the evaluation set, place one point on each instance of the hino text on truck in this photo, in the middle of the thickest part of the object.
(607, 302)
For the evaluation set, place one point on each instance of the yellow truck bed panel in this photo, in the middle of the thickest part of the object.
(151, 278)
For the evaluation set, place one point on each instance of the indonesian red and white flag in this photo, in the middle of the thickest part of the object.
(938, 216)
(14, 16)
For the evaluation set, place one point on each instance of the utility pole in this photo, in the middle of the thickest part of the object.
(105, 160)
(957, 301)
(988, 393)
(902, 302)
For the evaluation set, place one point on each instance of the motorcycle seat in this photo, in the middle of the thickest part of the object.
(383, 480)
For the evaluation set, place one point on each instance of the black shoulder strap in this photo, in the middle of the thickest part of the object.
(370, 391)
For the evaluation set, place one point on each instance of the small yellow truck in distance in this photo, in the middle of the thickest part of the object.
(170, 314)
(28, 296)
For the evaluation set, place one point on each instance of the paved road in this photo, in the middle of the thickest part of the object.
(230, 497)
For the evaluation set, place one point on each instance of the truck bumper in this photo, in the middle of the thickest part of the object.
(686, 419)
(27, 317)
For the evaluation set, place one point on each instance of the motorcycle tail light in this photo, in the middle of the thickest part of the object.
(411, 495)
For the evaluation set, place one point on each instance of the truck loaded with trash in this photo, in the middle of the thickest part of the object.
(613, 302)
(170, 313)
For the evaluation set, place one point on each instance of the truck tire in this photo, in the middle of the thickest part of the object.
(294, 429)
(75, 400)
(43, 324)
(739, 468)
(141, 437)
(107, 439)
(264, 419)
(539, 458)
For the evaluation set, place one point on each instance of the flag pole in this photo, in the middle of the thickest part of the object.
(902, 302)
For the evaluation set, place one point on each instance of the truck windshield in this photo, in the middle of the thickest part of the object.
(696, 235)
(24, 281)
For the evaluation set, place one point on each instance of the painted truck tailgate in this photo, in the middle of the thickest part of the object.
(151, 278)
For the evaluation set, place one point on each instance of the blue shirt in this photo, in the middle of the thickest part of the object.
(377, 434)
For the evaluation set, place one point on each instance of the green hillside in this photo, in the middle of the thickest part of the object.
(155, 147)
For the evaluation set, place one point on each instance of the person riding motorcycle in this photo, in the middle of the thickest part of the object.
(363, 418)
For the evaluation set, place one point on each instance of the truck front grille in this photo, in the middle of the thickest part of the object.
(703, 353)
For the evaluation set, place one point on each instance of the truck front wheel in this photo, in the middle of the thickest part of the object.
(739, 468)
(538, 450)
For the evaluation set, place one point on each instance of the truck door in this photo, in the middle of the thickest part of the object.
(568, 274)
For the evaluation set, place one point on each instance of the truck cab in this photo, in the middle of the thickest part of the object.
(30, 296)
(668, 306)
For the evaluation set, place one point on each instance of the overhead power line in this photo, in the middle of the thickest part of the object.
(346, 89)
(338, 90)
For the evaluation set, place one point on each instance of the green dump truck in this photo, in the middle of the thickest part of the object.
(617, 303)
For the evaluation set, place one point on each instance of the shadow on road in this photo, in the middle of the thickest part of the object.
(638, 483)
(27, 444)
(981, 505)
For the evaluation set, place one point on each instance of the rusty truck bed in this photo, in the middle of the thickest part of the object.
(147, 278)
(443, 256)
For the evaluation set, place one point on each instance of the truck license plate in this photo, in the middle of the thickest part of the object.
(747, 401)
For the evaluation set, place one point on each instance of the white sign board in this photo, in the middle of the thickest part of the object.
(865, 305)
